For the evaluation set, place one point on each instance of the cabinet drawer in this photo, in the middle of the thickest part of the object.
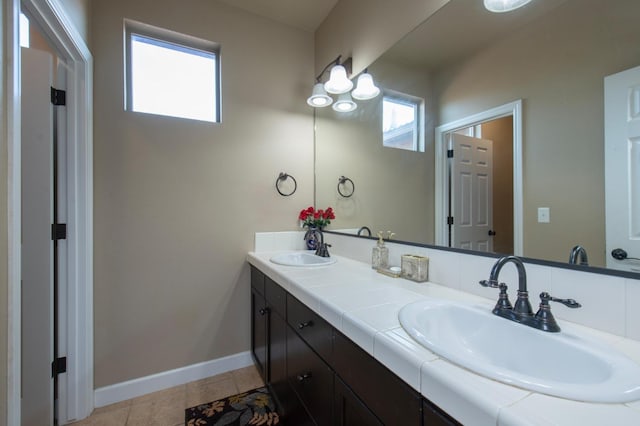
(391, 400)
(257, 280)
(276, 296)
(310, 326)
(310, 378)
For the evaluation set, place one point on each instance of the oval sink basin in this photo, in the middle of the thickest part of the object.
(301, 258)
(558, 364)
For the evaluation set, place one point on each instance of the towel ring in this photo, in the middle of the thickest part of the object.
(282, 177)
(343, 180)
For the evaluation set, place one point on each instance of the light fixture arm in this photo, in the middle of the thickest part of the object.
(347, 64)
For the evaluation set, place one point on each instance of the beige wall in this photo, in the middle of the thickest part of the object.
(365, 29)
(394, 187)
(78, 11)
(560, 79)
(177, 202)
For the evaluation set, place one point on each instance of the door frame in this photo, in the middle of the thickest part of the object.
(76, 387)
(513, 109)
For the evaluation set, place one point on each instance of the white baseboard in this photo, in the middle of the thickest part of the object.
(133, 388)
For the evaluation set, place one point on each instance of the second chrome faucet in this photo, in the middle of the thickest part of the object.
(521, 312)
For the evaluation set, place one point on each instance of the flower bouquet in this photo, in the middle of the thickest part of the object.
(315, 220)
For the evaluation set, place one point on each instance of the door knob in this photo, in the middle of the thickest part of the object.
(621, 254)
(492, 232)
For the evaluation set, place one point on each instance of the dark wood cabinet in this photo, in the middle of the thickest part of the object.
(389, 397)
(349, 410)
(311, 379)
(259, 332)
(313, 329)
(434, 416)
(318, 376)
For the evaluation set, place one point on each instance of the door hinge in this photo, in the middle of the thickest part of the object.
(449, 153)
(450, 220)
(58, 231)
(59, 366)
(58, 97)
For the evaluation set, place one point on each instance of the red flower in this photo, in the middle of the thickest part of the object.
(319, 218)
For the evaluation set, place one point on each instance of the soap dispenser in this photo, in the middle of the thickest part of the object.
(380, 254)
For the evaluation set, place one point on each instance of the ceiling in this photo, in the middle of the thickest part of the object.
(304, 14)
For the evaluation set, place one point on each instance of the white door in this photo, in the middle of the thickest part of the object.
(37, 246)
(471, 193)
(622, 168)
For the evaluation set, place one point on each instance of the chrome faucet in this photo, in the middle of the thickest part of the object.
(578, 252)
(323, 248)
(364, 228)
(522, 312)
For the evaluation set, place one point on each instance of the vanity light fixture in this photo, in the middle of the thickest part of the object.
(344, 103)
(339, 84)
(500, 6)
(319, 97)
(365, 89)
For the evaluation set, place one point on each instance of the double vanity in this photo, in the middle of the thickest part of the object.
(339, 343)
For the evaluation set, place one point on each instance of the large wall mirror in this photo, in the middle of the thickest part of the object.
(546, 191)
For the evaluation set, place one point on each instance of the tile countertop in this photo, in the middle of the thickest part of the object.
(364, 306)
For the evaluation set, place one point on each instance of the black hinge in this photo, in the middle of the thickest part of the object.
(58, 97)
(449, 153)
(59, 231)
(59, 366)
(450, 220)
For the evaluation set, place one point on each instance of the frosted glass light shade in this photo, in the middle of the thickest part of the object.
(344, 103)
(338, 82)
(500, 6)
(319, 97)
(365, 89)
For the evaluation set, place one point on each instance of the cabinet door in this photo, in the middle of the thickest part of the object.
(257, 280)
(278, 357)
(392, 400)
(310, 378)
(349, 410)
(259, 333)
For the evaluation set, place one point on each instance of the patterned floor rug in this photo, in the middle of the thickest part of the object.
(249, 408)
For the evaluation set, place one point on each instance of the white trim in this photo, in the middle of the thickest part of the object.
(11, 71)
(441, 185)
(76, 396)
(133, 388)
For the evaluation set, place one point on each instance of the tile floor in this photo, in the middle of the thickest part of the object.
(166, 408)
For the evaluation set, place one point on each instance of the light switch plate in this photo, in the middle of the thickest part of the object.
(543, 215)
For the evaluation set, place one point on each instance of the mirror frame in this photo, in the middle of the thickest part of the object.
(549, 263)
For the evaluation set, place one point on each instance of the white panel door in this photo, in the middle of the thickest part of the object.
(622, 167)
(471, 193)
(37, 247)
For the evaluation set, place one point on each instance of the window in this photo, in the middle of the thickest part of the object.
(24, 31)
(171, 74)
(402, 121)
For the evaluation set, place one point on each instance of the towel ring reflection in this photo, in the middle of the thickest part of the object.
(342, 181)
(283, 177)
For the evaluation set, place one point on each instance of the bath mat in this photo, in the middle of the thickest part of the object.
(249, 408)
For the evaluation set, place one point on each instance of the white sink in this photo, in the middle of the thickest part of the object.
(559, 364)
(301, 258)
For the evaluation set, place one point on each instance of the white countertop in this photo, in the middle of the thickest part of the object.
(364, 305)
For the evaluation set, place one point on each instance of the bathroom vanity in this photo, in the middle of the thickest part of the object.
(317, 375)
(328, 343)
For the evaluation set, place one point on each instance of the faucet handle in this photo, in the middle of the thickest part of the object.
(545, 298)
(490, 283)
